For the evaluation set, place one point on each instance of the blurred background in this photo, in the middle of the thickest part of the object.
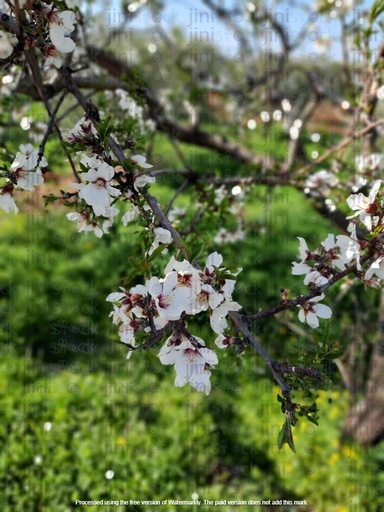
(80, 422)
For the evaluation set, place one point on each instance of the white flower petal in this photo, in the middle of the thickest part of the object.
(115, 296)
(214, 259)
(323, 311)
(140, 160)
(299, 269)
(312, 320)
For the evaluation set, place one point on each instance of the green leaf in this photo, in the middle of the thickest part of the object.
(49, 199)
(285, 436)
(135, 263)
(156, 253)
(312, 420)
(377, 9)
(141, 337)
(128, 278)
(196, 245)
(104, 130)
(84, 168)
(374, 233)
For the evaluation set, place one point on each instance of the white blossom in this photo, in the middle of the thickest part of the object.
(7, 43)
(26, 180)
(83, 129)
(191, 363)
(170, 299)
(214, 259)
(223, 341)
(85, 224)
(311, 311)
(218, 316)
(225, 236)
(99, 192)
(299, 269)
(376, 268)
(349, 249)
(220, 194)
(141, 161)
(127, 335)
(371, 162)
(303, 249)
(190, 277)
(315, 278)
(364, 206)
(24, 171)
(28, 157)
(141, 180)
(61, 24)
(162, 236)
(340, 250)
(321, 182)
(7, 202)
(302, 268)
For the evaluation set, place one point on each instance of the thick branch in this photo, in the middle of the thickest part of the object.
(198, 137)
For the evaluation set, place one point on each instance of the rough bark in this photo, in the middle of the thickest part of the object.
(365, 420)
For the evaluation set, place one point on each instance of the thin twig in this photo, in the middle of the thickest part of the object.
(335, 149)
(251, 340)
(33, 64)
(94, 115)
(50, 127)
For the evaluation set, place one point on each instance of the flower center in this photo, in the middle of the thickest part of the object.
(100, 183)
(164, 301)
(190, 354)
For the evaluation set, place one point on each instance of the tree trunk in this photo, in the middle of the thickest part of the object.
(365, 420)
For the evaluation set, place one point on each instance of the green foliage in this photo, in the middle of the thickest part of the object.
(285, 435)
(54, 282)
(63, 429)
(104, 130)
(376, 10)
(161, 442)
(109, 414)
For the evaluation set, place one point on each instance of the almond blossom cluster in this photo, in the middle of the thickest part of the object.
(236, 206)
(134, 111)
(366, 209)
(99, 193)
(335, 253)
(24, 174)
(319, 266)
(49, 29)
(97, 211)
(184, 290)
(370, 212)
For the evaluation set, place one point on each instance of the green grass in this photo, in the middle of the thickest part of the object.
(64, 429)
